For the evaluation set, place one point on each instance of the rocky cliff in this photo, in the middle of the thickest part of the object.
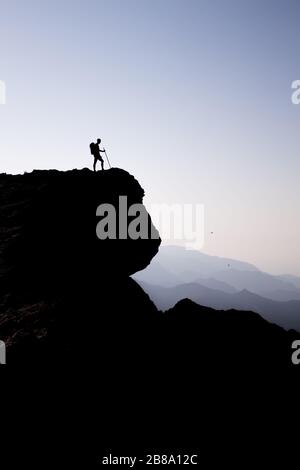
(60, 283)
(67, 295)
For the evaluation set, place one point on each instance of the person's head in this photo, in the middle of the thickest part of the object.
(98, 141)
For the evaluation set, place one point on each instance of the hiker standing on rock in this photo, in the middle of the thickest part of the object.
(95, 151)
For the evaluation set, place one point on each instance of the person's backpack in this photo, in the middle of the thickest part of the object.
(93, 148)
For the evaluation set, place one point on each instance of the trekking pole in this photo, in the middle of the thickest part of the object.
(107, 158)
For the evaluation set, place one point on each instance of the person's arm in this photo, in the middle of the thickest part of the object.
(102, 150)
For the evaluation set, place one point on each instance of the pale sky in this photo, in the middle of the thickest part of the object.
(191, 97)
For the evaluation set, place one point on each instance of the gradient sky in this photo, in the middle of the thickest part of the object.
(192, 97)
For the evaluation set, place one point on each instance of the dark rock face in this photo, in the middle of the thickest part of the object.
(66, 295)
(57, 277)
(142, 379)
(49, 225)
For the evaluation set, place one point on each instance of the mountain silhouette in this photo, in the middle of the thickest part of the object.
(285, 314)
(68, 296)
(122, 376)
(175, 265)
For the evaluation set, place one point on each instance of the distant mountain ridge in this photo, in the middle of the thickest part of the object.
(285, 314)
(175, 265)
(220, 283)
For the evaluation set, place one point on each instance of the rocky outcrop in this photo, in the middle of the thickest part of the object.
(67, 296)
(48, 225)
(59, 281)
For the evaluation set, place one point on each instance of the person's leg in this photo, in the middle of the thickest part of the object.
(95, 163)
(102, 163)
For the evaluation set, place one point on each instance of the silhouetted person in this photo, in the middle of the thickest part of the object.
(95, 151)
